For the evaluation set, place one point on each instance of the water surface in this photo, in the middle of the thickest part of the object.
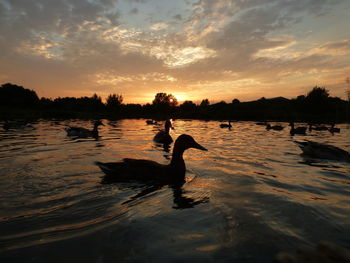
(250, 196)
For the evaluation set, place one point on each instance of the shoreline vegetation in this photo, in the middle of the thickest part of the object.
(317, 106)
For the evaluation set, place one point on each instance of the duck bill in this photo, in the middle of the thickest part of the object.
(199, 147)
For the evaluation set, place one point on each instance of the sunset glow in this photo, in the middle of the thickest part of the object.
(220, 50)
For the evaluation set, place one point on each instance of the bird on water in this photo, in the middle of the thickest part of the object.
(163, 136)
(323, 151)
(83, 132)
(151, 171)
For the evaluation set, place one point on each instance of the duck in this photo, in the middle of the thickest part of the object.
(151, 171)
(317, 128)
(333, 129)
(225, 125)
(163, 136)
(9, 125)
(83, 132)
(323, 151)
(299, 130)
(274, 127)
(151, 122)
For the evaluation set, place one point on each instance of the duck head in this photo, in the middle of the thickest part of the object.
(184, 142)
(98, 123)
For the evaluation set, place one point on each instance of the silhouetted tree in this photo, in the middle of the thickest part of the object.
(204, 103)
(114, 101)
(188, 105)
(317, 100)
(165, 100)
(235, 101)
(318, 94)
(301, 97)
(14, 95)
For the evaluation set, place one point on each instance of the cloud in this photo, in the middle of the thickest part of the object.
(97, 45)
(134, 11)
(159, 26)
(341, 47)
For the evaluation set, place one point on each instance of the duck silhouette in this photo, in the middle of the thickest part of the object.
(151, 122)
(333, 129)
(20, 124)
(163, 136)
(317, 127)
(225, 125)
(83, 132)
(274, 127)
(299, 130)
(151, 171)
(323, 151)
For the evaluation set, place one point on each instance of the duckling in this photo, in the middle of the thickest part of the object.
(163, 136)
(147, 170)
(274, 127)
(323, 151)
(225, 125)
(82, 132)
(299, 130)
(333, 129)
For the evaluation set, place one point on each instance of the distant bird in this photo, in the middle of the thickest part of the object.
(147, 170)
(225, 125)
(151, 122)
(17, 124)
(163, 136)
(333, 129)
(274, 127)
(82, 132)
(317, 127)
(261, 123)
(299, 130)
(323, 151)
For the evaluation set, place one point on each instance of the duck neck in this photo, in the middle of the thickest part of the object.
(95, 129)
(177, 162)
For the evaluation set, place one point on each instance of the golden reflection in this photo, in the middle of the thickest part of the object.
(208, 248)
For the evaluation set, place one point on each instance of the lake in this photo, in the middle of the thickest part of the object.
(251, 195)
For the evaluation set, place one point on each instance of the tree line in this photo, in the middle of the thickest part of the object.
(317, 105)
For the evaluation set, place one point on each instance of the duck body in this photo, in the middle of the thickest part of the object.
(317, 128)
(333, 129)
(299, 130)
(83, 132)
(163, 136)
(225, 125)
(9, 125)
(274, 127)
(147, 170)
(151, 122)
(323, 151)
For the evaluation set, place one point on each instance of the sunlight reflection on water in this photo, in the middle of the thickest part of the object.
(251, 195)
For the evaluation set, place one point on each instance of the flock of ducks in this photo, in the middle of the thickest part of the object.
(147, 170)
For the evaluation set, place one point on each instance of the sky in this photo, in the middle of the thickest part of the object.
(193, 49)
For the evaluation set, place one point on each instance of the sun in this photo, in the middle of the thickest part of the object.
(181, 97)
